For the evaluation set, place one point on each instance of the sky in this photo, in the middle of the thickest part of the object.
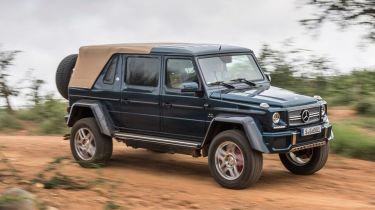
(48, 30)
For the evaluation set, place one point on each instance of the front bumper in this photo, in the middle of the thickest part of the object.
(285, 141)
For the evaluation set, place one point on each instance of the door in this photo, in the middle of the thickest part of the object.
(140, 107)
(183, 114)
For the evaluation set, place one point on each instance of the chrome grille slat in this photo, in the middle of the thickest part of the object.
(295, 115)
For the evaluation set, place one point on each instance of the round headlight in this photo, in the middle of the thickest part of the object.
(324, 111)
(276, 117)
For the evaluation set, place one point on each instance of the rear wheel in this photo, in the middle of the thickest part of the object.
(89, 147)
(232, 162)
(306, 162)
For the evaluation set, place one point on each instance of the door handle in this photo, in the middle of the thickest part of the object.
(126, 101)
(168, 105)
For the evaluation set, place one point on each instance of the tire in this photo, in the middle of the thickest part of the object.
(248, 172)
(316, 161)
(103, 144)
(63, 74)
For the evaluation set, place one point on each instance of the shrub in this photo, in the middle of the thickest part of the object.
(7, 120)
(28, 114)
(49, 116)
(366, 122)
(366, 106)
(351, 142)
(53, 127)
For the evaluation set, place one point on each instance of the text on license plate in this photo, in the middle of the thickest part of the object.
(311, 130)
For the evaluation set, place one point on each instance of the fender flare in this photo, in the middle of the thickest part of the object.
(251, 130)
(99, 111)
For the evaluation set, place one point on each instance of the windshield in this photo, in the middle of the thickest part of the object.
(228, 68)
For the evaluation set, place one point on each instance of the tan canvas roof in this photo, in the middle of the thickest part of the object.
(92, 59)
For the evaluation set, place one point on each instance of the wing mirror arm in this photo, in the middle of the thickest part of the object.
(268, 76)
(191, 87)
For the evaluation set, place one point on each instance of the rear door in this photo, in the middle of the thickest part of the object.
(140, 100)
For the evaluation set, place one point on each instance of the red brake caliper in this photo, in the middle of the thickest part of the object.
(239, 158)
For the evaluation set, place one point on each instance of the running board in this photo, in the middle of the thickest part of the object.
(157, 140)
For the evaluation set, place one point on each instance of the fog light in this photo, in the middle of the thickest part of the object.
(276, 117)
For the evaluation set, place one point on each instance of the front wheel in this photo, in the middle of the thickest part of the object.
(232, 162)
(89, 147)
(306, 162)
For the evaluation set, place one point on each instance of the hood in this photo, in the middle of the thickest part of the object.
(274, 96)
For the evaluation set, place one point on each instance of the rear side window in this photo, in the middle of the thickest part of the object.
(142, 71)
(109, 76)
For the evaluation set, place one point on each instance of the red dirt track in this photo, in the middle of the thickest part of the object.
(148, 180)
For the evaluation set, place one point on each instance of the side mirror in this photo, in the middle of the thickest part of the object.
(189, 87)
(268, 75)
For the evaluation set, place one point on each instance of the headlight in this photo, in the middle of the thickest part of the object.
(324, 110)
(276, 117)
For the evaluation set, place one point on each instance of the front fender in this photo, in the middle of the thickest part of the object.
(99, 111)
(250, 128)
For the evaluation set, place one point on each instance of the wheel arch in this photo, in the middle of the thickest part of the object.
(87, 108)
(247, 124)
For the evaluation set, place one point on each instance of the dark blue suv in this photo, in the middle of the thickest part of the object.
(196, 99)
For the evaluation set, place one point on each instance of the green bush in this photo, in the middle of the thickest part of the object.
(366, 106)
(53, 126)
(48, 117)
(366, 122)
(351, 142)
(8, 121)
(27, 114)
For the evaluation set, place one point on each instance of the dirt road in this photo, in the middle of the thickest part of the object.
(147, 180)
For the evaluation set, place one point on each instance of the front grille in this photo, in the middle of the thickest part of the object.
(296, 119)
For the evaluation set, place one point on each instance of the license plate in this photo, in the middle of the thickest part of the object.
(311, 130)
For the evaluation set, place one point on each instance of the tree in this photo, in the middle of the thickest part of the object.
(296, 69)
(36, 84)
(276, 62)
(33, 85)
(6, 59)
(345, 13)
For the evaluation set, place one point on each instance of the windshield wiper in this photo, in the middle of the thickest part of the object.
(243, 80)
(222, 83)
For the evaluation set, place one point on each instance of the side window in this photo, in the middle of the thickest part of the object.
(109, 76)
(142, 71)
(108, 79)
(180, 71)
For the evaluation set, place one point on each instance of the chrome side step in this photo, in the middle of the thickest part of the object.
(157, 140)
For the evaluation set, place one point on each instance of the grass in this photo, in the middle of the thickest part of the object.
(112, 205)
(47, 118)
(351, 141)
(9, 199)
(366, 122)
(51, 178)
(63, 182)
(8, 121)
